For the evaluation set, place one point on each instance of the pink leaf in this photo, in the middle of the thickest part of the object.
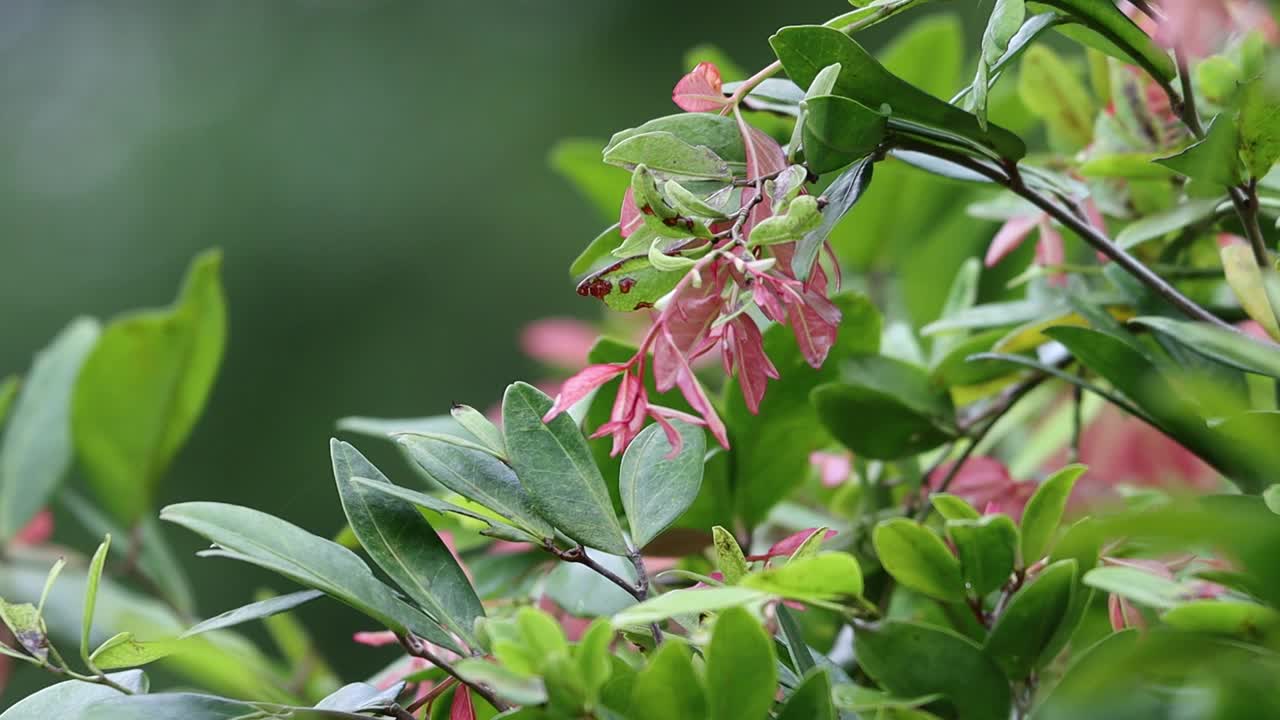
(754, 367)
(681, 375)
(629, 219)
(462, 709)
(789, 544)
(981, 480)
(1050, 251)
(376, 639)
(1010, 236)
(581, 385)
(701, 90)
(815, 322)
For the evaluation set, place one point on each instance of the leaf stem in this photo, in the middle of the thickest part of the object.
(1012, 179)
(418, 648)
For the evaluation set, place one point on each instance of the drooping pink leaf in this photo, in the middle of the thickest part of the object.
(579, 386)
(462, 709)
(1009, 237)
(701, 90)
(677, 373)
(376, 639)
(815, 320)
(745, 347)
(558, 341)
(789, 544)
(1050, 251)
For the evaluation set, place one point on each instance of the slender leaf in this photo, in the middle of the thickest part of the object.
(96, 566)
(687, 602)
(1230, 348)
(254, 611)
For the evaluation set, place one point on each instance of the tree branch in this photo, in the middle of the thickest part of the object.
(417, 647)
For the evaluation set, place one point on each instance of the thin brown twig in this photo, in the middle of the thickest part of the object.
(417, 647)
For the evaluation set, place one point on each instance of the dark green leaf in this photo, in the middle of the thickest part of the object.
(838, 131)
(656, 488)
(555, 467)
(404, 544)
(144, 386)
(36, 448)
(988, 549)
(1044, 511)
(477, 476)
(741, 677)
(1028, 624)
(884, 408)
(1132, 42)
(717, 133)
(916, 660)
(805, 51)
(271, 543)
(918, 559)
(811, 700)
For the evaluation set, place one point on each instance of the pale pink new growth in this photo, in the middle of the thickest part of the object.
(835, 468)
(37, 530)
(708, 311)
(558, 341)
(700, 90)
(985, 483)
(1201, 27)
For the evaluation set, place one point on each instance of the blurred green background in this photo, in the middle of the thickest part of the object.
(376, 174)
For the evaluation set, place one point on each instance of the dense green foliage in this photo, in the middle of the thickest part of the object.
(830, 527)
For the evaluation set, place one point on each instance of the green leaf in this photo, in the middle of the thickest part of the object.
(811, 700)
(951, 507)
(884, 408)
(96, 565)
(385, 428)
(520, 690)
(988, 549)
(592, 658)
(1125, 40)
(477, 424)
(254, 611)
(829, 576)
(1028, 624)
(578, 161)
(918, 559)
(71, 699)
(741, 676)
(1223, 617)
(729, 558)
(477, 476)
(657, 488)
(1187, 214)
(582, 592)
(600, 248)
(806, 50)
(690, 204)
(669, 686)
(123, 651)
(801, 655)
(1051, 90)
(1211, 160)
(1007, 17)
(1259, 124)
(800, 217)
(667, 154)
(630, 284)
(495, 527)
(1231, 348)
(28, 627)
(555, 467)
(401, 542)
(912, 661)
(1249, 283)
(687, 602)
(271, 543)
(717, 133)
(1138, 585)
(144, 386)
(35, 450)
(188, 706)
(1044, 512)
(838, 131)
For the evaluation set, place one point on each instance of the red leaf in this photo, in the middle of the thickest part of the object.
(629, 218)
(1010, 236)
(789, 544)
(462, 709)
(745, 347)
(580, 385)
(701, 90)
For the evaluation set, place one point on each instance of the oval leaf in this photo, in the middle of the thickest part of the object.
(1031, 619)
(988, 549)
(918, 559)
(741, 672)
(657, 488)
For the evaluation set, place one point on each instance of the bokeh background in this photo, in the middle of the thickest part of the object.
(376, 174)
